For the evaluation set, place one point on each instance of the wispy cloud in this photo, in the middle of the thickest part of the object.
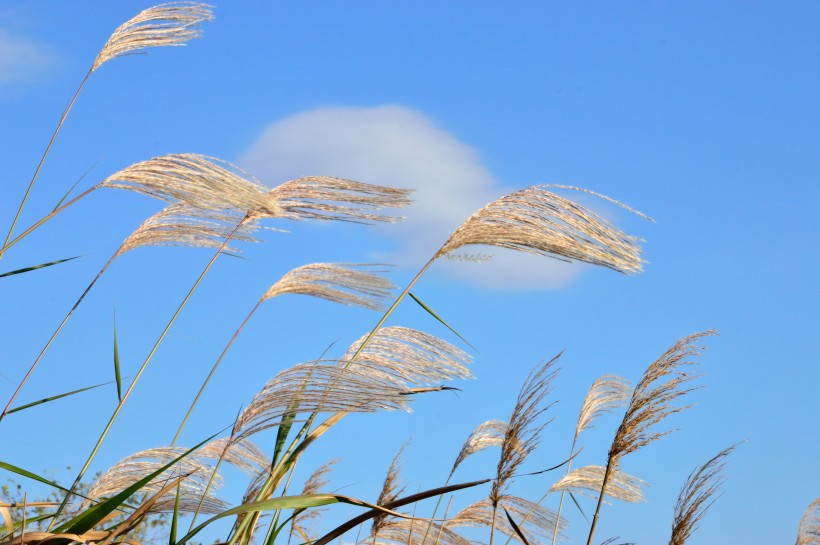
(22, 59)
(401, 147)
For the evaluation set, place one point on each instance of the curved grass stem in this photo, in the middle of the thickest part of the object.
(40, 164)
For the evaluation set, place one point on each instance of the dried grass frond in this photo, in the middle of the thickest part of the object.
(523, 434)
(240, 453)
(662, 383)
(183, 225)
(315, 484)
(410, 356)
(345, 283)
(319, 387)
(808, 532)
(536, 521)
(539, 221)
(695, 497)
(488, 434)
(328, 198)
(167, 24)
(589, 480)
(133, 468)
(606, 394)
(390, 492)
(199, 181)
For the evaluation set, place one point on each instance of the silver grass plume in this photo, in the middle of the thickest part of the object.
(488, 434)
(315, 484)
(133, 468)
(409, 356)
(167, 24)
(240, 453)
(183, 225)
(695, 497)
(539, 221)
(523, 433)
(324, 197)
(664, 381)
(348, 284)
(412, 532)
(538, 521)
(319, 387)
(199, 181)
(589, 479)
(808, 532)
(389, 493)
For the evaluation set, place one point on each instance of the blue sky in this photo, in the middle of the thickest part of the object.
(703, 115)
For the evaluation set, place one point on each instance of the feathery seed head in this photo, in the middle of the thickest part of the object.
(390, 491)
(537, 520)
(329, 198)
(199, 181)
(348, 284)
(808, 533)
(133, 468)
(538, 221)
(319, 387)
(409, 356)
(590, 479)
(523, 434)
(606, 394)
(488, 434)
(167, 24)
(662, 383)
(183, 225)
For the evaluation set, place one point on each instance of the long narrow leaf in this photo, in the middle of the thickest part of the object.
(80, 179)
(578, 505)
(25, 473)
(437, 317)
(35, 267)
(52, 398)
(117, 375)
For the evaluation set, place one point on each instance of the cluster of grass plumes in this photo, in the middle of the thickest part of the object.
(213, 204)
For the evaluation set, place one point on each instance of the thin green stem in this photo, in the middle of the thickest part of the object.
(127, 393)
(213, 370)
(42, 161)
(54, 335)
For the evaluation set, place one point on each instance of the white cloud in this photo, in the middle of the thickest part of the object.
(22, 59)
(401, 147)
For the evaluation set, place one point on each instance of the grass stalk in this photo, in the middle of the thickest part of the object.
(127, 393)
(607, 473)
(213, 370)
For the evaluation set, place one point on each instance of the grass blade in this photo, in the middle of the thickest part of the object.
(437, 317)
(117, 375)
(35, 267)
(52, 398)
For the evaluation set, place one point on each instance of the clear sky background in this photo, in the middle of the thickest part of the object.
(704, 115)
